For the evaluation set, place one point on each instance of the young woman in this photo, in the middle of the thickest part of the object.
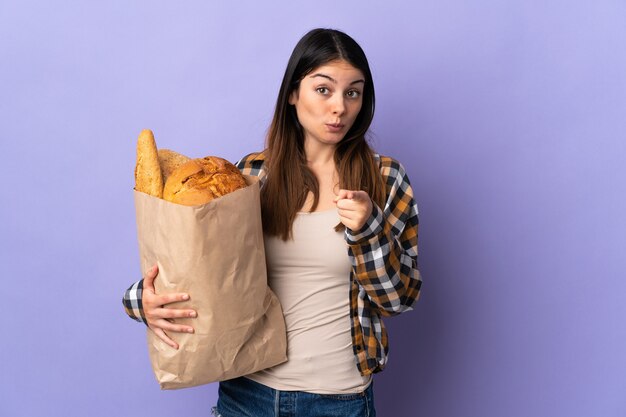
(340, 226)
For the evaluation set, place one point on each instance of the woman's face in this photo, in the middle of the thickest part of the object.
(328, 101)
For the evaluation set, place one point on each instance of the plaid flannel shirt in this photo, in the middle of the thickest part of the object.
(385, 280)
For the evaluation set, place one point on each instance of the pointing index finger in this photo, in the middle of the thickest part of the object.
(359, 195)
(342, 194)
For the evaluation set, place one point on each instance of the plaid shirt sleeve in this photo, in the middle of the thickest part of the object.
(384, 251)
(132, 302)
(251, 164)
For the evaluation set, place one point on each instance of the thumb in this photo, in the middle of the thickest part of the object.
(148, 280)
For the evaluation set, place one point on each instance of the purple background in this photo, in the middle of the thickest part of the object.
(510, 118)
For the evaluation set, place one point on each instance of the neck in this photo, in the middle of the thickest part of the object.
(318, 154)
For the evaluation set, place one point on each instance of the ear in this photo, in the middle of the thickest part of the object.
(293, 97)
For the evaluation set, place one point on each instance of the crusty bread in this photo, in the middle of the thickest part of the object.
(148, 177)
(169, 161)
(201, 180)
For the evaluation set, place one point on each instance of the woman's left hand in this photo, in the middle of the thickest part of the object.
(354, 208)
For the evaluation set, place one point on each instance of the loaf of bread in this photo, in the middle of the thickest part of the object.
(169, 161)
(148, 177)
(201, 180)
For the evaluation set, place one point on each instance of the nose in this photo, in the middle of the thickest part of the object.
(338, 105)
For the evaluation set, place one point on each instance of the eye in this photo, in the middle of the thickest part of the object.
(353, 93)
(322, 90)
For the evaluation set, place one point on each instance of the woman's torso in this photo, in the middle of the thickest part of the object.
(311, 277)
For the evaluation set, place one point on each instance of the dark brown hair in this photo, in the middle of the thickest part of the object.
(289, 179)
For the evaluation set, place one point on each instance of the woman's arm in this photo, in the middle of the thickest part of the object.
(384, 251)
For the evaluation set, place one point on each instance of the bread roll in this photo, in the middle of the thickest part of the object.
(148, 177)
(169, 161)
(201, 180)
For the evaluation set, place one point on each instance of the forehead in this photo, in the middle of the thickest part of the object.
(339, 70)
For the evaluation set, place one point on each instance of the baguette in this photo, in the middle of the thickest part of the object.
(148, 176)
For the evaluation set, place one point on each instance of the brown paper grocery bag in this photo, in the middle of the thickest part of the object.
(215, 253)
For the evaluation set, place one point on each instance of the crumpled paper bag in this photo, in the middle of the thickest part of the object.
(215, 253)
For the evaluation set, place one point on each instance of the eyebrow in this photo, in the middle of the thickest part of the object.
(319, 74)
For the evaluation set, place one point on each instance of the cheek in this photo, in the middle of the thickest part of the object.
(356, 110)
(312, 107)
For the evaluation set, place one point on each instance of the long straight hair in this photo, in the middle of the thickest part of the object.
(289, 179)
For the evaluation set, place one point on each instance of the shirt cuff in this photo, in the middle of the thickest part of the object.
(132, 302)
(372, 227)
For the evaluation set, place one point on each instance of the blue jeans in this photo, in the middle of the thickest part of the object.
(242, 397)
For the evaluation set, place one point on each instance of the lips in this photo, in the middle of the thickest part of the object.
(335, 127)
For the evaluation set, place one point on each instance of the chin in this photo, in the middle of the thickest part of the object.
(334, 139)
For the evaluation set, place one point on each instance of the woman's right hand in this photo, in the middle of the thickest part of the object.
(158, 316)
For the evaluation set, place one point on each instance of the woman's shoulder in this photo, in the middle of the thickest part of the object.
(252, 164)
(390, 167)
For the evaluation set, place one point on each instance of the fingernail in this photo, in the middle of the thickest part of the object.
(190, 330)
(185, 297)
(192, 314)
